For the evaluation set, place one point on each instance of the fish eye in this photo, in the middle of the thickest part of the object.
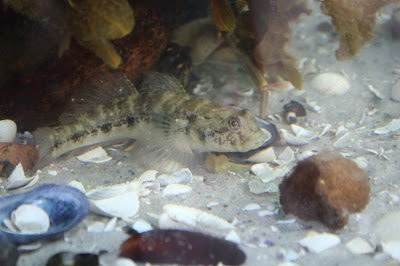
(234, 124)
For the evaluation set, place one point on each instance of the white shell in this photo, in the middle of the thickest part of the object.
(292, 139)
(233, 237)
(183, 176)
(264, 156)
(343, 141)
(330, 83)
(96, 227)
(176, 189)
(120, 200)
(30, 219)
(318, 242)
(184, 217)
(264, 213)
(394, 125)
(303, 133)
(17, 178)
(264, 172)
(78, 185)
(110, 226)
(141, 226)
(286, 157)
(375, 92)
(395, 94)
(124, 262)
(251, 207)
(148, 176)
(98, 155)
(359, 246)
(8, 130)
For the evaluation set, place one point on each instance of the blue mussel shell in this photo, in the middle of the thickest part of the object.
(66, 207)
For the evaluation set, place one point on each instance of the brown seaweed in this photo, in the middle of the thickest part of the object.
(354, 20)
(181, 247)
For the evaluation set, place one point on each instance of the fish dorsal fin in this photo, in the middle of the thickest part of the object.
(96, 90)
(155, 83)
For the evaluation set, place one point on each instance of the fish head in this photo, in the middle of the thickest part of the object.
(229, 130)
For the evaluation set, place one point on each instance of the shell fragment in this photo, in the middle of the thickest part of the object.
(30, 219)
(318, 242)
(394, 125)
(98, 155)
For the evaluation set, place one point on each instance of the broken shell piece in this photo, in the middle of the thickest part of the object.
(141, 226)
(325, 130)
(266, 173)
(17, 179)
(343, 141)
(148, 176)
(395, 93)
(359, 246)
(318, 242)
(176, 189)
(251, 207)
(292, 139)
(375, 92)
(8, 130)
(183, 176)
(263, 156)
(330, 83)
(112, 201)
(303, 133)
(245, 92)
(188, 218)
(30, 219)
(293, 110)
(286, 157)
(77, 185)
(233, 237)
(98, 155)
(394, 125)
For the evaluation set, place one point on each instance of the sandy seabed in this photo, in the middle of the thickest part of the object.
(274, 239)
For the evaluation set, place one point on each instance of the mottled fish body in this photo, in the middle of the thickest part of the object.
(165, 121)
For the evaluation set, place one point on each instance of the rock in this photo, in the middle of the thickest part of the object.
(11, 154)
(326, 188)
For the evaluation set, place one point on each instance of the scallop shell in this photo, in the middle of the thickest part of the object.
(395, 94)
(112, 201)
(330, 83)
(64, 205)
(30, 219)
(8, 130)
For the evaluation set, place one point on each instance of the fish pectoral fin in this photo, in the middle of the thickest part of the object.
(155, 83)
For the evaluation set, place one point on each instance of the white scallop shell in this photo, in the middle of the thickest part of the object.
(98, 155)
(112, 201)
(8, 130)
(184, 217)
(30, 219)
(395, 94)
(330, 83)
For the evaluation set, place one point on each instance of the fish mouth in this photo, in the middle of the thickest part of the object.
(270, 131)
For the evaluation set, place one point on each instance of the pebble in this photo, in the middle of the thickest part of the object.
(318, 242)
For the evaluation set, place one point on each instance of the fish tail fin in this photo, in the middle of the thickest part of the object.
(43, 138)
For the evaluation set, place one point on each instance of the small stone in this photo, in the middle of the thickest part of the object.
(326, 188)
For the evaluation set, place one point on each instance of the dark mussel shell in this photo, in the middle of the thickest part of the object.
(66, 207)
(181, 247)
